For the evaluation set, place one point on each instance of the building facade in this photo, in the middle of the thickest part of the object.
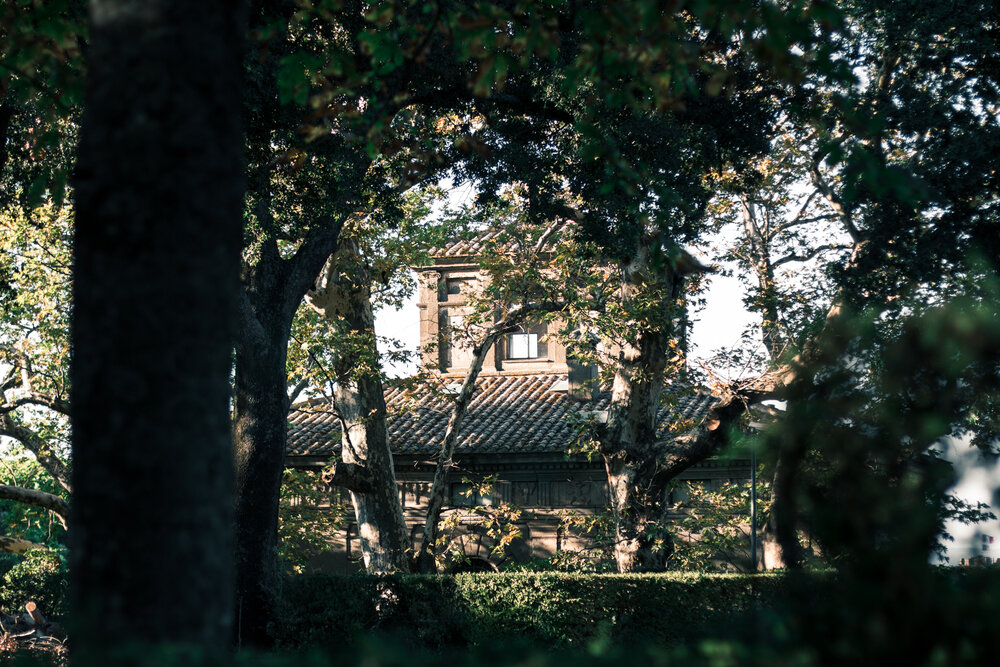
(520, 428)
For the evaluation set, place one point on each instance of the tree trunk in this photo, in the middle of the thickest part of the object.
(159, 189)
(260, 435)
(345, 300)
(439, 488)
(774, 557)
(385, 542)
(628, 442)
(770, 327)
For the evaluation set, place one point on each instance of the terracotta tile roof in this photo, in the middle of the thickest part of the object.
(472, 245)
(508, 414)
(465, 247)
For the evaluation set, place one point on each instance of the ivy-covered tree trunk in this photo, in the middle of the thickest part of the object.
(366, 467)
(159, 195)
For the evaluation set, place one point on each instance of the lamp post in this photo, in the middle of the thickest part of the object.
(753, 506)
(753, 495)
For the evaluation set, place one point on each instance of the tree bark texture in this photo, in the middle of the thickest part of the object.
(37, 498)
(345, 299)
(159, 188)
(628, 444)
(260, 437)
(272, 290)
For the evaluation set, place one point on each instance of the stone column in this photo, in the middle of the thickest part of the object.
(428, 305)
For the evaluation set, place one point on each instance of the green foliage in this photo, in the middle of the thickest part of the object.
(480, 518)
(596, 531)
(868, 480)
(735, 619)
(876, 415)
(309, 518)
(394, 652)
(40, 577)
(27, 521)
(35, 291)
(713, 533)
(41, 70)
(667, 620)
(563, 610)
(35, 288)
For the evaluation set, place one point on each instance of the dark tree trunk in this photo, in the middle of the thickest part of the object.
(272, 290)
(6, 115)
(159, 189)
(260, 434)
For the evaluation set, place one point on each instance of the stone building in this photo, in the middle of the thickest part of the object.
(517, 430)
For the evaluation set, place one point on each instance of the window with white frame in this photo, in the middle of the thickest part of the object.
(522, 346)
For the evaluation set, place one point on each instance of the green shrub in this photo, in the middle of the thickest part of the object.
(684, 618)
(550, 609)
(39, 577)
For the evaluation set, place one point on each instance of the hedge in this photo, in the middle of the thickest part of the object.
(947, 617)
(551, 609)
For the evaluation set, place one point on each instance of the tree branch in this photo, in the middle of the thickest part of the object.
(38, 499)
(37, 446)
(308, 260)
(838, 205)
(15, 545)
(514, 318)
(297, 389)
(53, 403)
(10, 380)
(350, 476)
(711, 435)
(818, 250)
